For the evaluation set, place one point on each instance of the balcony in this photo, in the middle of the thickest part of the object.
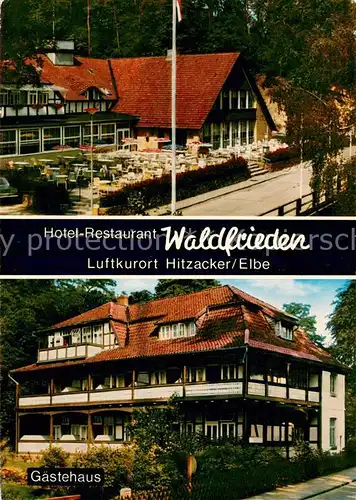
(214, 389)
(74, 351)
(279, 391)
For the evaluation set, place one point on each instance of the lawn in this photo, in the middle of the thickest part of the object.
(22, 492)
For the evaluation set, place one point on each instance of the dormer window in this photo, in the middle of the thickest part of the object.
(93, 94)
(177, 330)
(284, 330)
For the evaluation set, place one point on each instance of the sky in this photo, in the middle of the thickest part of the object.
(319, 293)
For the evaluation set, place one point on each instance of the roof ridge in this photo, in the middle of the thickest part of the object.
(237, 291)
(164, 56)
(181, 295)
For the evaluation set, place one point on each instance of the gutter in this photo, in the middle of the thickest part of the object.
(12, 378)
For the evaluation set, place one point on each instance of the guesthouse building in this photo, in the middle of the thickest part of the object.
(239, 368)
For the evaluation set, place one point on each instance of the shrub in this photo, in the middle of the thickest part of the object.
(13, 475)
(281, 155)
(115, 463)
(55, 457)
(142, 196)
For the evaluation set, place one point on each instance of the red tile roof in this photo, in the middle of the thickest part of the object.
(86, 72)
(222, 315)
(144, 87)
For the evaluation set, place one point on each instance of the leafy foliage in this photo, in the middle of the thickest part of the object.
(29, 306)
(112, 461)
(173, 287)
(343, 330)
(306, 320)
(55, 456)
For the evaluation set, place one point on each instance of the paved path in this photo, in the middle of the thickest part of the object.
(347, 492)
(251, 197)
(257, 196)
(338, 486)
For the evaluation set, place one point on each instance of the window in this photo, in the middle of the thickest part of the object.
(243, 99)
(234, 99)
(216, 135)
(80, 432)
(256, 372)
(143, 378)
(207, 133)
(227, 430)
(250, 100)
(29, 141)
(298, 378)
(276, 433)
(211, 430)
(93, 94)
(283, 330)
(251, 131)
(333, 378)
(256, 433)
(243, 129)
(333, 433)
(72, 136)
(225, 134)
(196, 375)
(35, 97)
(276, 376)
(225, 100)
(177, 330)
(57, 432)
(51, 138)
(189, 428)
(3, 98)
(87, 134)
(7, 142)
(158, 377)
(235, 133)
(14, 98)
(87, 334)
(109, 426)
(76, 336)
(98, 334)
(228, 372)
(107, 132)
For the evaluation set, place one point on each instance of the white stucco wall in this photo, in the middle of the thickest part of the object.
(333, 407)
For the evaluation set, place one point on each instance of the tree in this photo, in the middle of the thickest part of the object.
(342, 326)
(29, 306)
(306, 321)
(140, 297)
(173, 287)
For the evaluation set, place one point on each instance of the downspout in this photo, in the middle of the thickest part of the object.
(17, 437)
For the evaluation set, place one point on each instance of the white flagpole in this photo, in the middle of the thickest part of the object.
(174, 84)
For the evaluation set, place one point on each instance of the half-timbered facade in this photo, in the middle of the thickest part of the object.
(217, 102)
(241, 368)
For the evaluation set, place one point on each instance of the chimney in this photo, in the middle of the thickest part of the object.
(123, 300)
(61, 53)
(247, 336)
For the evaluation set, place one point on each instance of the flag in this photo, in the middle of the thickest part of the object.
(179, 10)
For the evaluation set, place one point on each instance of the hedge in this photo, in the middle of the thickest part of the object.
(281, 155)
(142, 196)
